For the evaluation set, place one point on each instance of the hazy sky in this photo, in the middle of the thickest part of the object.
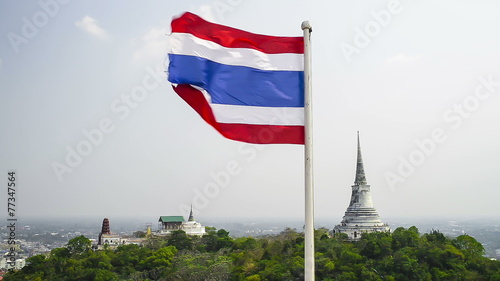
(93, 128)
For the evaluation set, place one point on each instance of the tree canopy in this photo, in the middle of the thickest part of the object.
(404, 254)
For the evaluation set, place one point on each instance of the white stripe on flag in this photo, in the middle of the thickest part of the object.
(257, 115)
(188, 44)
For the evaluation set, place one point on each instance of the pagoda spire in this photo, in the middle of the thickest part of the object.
(105, 230)
(360, 217)
(191, 216)
(105, 226)
(360, 171)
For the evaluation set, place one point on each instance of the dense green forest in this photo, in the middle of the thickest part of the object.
(404, 254)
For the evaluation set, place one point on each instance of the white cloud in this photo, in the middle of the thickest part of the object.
(89, 25)
(402, 58)
(154, 44)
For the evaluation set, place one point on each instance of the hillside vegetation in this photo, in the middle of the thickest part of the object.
(404, 254)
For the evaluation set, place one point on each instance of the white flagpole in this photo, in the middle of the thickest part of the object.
(309, 190)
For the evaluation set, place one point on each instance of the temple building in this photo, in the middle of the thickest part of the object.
(108, 238)
(360, 217)
(168, 224)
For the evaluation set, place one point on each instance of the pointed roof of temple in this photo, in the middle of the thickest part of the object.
(360, 171)
(105, 226)
(191, 216)
(164, 219)
(360, 217)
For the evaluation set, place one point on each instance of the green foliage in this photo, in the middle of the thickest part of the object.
(469, 246)
(139, 234)
(376, 245)
(216, 240)
(402, 237)
(161, 258)
(202, 266)
(180, 240)
(78, 245)
(126, 258)
(404, 254)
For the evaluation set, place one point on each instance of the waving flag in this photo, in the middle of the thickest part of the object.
(249, 87)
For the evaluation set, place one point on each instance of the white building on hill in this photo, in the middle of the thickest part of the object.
(168, 224)
(360, 217)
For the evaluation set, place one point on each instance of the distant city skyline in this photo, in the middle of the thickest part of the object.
(93, 128)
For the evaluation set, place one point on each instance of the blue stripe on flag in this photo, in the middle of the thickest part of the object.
(238, 85)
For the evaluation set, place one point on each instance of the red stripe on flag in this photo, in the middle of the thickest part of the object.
(235, 38)
(261, 134)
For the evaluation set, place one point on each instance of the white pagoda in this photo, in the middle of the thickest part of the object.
(360, 217)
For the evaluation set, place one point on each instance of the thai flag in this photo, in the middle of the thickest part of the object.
(249, 87)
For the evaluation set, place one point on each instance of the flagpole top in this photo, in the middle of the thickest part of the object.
(306, 25)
